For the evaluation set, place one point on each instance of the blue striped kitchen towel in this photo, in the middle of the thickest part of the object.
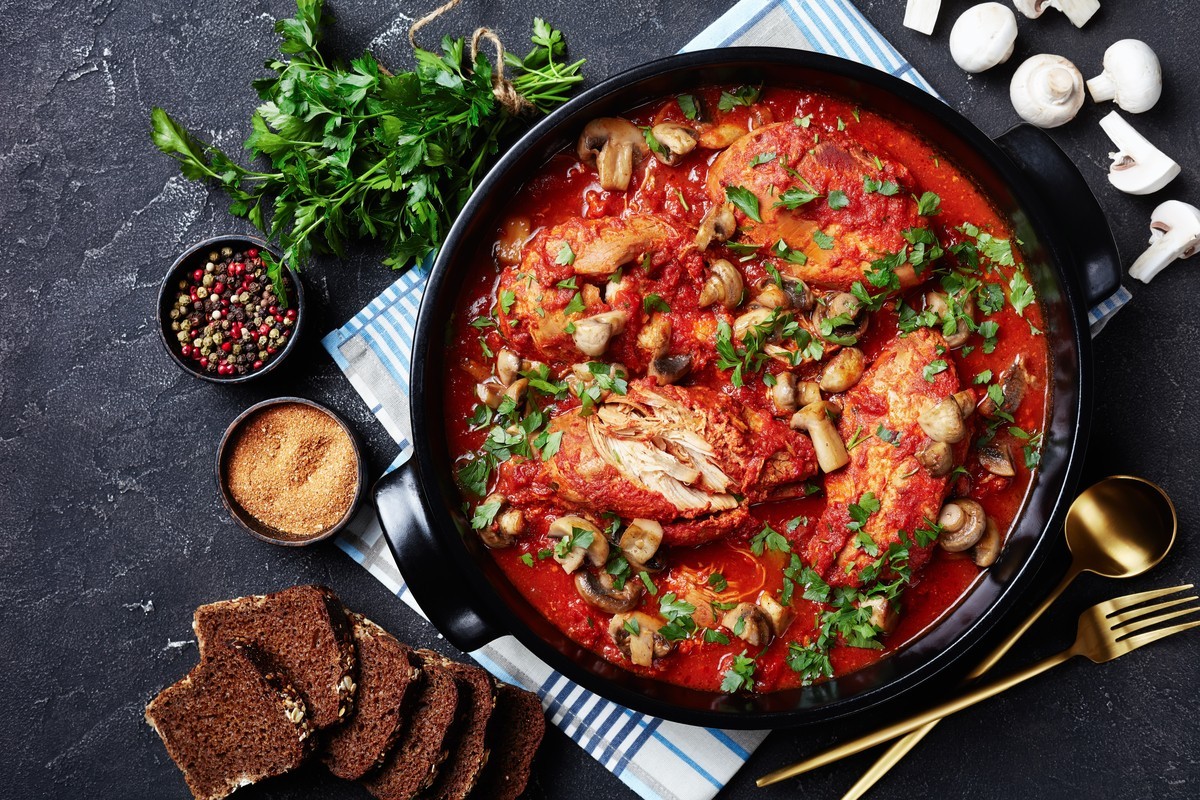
(658, 760)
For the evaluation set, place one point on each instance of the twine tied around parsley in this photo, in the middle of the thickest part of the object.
(506, 94)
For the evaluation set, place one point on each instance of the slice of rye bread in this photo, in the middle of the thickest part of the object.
(387, 684)
(414, 762)
(468, 750)
(304, 630)
(519, 725)
(234, 720)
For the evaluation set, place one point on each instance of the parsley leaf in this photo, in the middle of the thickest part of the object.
(652, 302)
(745, 200)
(566, 256)
(837, 199)
(933, 368)
(929, 204)
(795, 197)
(740, 675)
(741, 96)
(688, 105)
(823, 240)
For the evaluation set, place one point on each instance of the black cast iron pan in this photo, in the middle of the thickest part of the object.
(1073, 262)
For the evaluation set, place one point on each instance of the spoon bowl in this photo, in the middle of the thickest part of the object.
(1120, 527)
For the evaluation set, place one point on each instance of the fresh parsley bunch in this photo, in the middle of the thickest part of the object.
(357, 152)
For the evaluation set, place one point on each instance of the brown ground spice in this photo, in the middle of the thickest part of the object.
(293, 467)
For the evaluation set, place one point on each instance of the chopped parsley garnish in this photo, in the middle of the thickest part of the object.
(983, 377)
(569, 283)
(861, 511)
(653, 143)
(576, 305)
(484, 514)
(507, 298)
(527, 559)
(678, 614)
(714, 636)
(745, 200)
(762, 158)
(1020, 292)
(618, 568)
(1032, 448)
(770, 538)
(648, 582)
(929, 204)
(689, 106)
(741, 96)
(781, 250)
(889, 436)
(578, 537)
(823, 240)
(740, 675)
(654, 302)
(837, 199)
(566, 256)
(933, 368)
(876, 186)
(795, 197)
(803, 122)
(717, 582)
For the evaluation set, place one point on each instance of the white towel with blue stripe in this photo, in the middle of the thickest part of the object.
(374, 350)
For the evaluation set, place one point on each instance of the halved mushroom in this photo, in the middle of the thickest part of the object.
(676, 140)
(587, 542)
(943, 422)
(987, 549)
(613, 145)
(511, 522)
(771, 295)
(1013, 383)
(748, 623)
(997, 460)
(778, 615)
(641, 540)
(636, 636)
(962, 522)
(724, 285)
(846, 310)
(669, 368)
(815, 420)
(884, 614)
(783, 393)
(599, 589)
(750, 320)
(939, 303)
(843, 370)
(508, 366)
(490, 392)
(494, 535)
(718, 225)
(799, 293)
(937, 458)
(592, 333)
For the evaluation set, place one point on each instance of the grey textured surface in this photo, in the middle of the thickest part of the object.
(111, 527)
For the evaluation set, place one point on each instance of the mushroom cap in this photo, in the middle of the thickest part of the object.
(983, 36)
(1132, 77)
(963, 523)
(1046, 90)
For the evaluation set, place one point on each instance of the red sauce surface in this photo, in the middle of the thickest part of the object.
(565, 189)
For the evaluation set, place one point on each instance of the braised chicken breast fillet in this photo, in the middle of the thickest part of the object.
(797, 192)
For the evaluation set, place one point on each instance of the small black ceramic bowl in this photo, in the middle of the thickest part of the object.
(195, 258)
(248, 521)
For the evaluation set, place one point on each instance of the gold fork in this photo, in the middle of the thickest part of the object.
(1106, 631)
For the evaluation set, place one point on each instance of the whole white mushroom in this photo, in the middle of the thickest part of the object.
(1132, 77)
(983, 36)
(1047, 90)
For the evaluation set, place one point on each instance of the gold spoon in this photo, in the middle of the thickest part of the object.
(1117, 528)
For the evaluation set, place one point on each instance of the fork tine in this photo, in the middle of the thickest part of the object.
(1142, 624)
(1123, 603)
(1134, 642)
(1117, 620)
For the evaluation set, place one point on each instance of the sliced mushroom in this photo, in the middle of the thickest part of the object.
(636, 636)
(997, 459)
(724, 285)
(718, 225)
(508, 366)
(939, 304)
(490, 392)
(748, 623)
(613, 145)
(511, 522)
(987, 549)
(814, 419)
(921, 15)
(677, 140)
(595, 551)
(599, 589)
(966, 402)
(1174, 234)
(771, 295)
(783, 393)
(778, 615)
(962, 522)
(516, 390)
(937, 458)
(670, 368)
(641, 540)
(494, 535)
(1013, 384)
(943, 422)
(843, 370)
(807, 393)
(592, 333)
(1138, 167)
(884, 614)
(1078, 11)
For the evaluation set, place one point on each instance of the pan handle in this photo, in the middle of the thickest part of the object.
(427, 569)
(1080, 221)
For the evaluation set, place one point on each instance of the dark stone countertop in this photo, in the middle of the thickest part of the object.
(112, 530)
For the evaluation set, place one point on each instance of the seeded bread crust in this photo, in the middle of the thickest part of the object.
(468, 752)
(414, 762)
(233, 721)
(519, 725)
(294, 626)
(387, 687)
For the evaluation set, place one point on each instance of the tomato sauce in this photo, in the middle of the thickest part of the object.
(565, 189)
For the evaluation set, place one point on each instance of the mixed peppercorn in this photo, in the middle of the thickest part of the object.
(227, 317)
